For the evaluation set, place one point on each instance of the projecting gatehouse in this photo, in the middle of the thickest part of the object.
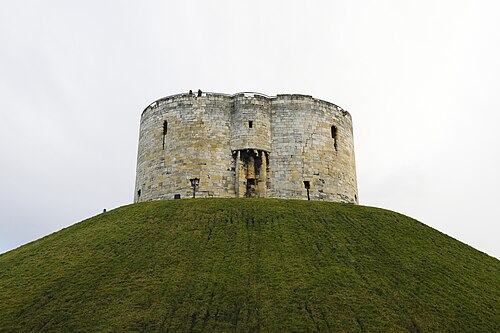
(245, 145)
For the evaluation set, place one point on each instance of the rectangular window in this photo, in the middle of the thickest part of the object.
(250, 124)
(165, 130)
(334, 137)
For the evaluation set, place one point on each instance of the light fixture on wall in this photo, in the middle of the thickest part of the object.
(194, 183)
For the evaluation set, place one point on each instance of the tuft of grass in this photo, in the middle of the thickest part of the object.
(248, 265)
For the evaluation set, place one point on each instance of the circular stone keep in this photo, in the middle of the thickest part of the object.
(250, 145)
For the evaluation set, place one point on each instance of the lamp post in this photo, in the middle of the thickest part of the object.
(194, 182)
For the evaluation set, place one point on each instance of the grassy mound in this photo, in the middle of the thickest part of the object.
(248, 265)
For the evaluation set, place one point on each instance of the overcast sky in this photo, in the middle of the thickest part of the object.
(421, 80)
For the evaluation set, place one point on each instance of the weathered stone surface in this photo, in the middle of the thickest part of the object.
(245, 145)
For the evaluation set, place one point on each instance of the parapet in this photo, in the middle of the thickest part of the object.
(177, 97)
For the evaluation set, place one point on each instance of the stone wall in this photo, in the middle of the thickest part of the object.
(245, 145)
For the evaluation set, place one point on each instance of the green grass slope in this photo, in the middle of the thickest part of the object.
(254, 265)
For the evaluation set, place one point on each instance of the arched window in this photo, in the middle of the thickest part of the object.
(334, 136)
(165, 130)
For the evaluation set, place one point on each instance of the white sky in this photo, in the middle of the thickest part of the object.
(420, 78)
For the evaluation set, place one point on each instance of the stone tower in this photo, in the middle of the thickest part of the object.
(246, 145)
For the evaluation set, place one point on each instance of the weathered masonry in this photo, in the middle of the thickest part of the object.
(245, 145)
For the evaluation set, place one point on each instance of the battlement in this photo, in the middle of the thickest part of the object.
(247, 144)
(214, 95)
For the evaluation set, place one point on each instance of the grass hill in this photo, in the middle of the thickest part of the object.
(247, 266)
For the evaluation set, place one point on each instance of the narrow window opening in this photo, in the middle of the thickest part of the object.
(307, 185)
(177, 196)
(355, 197)
(139, 193)
(250, 124)
(334, 136)
(165, 130)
